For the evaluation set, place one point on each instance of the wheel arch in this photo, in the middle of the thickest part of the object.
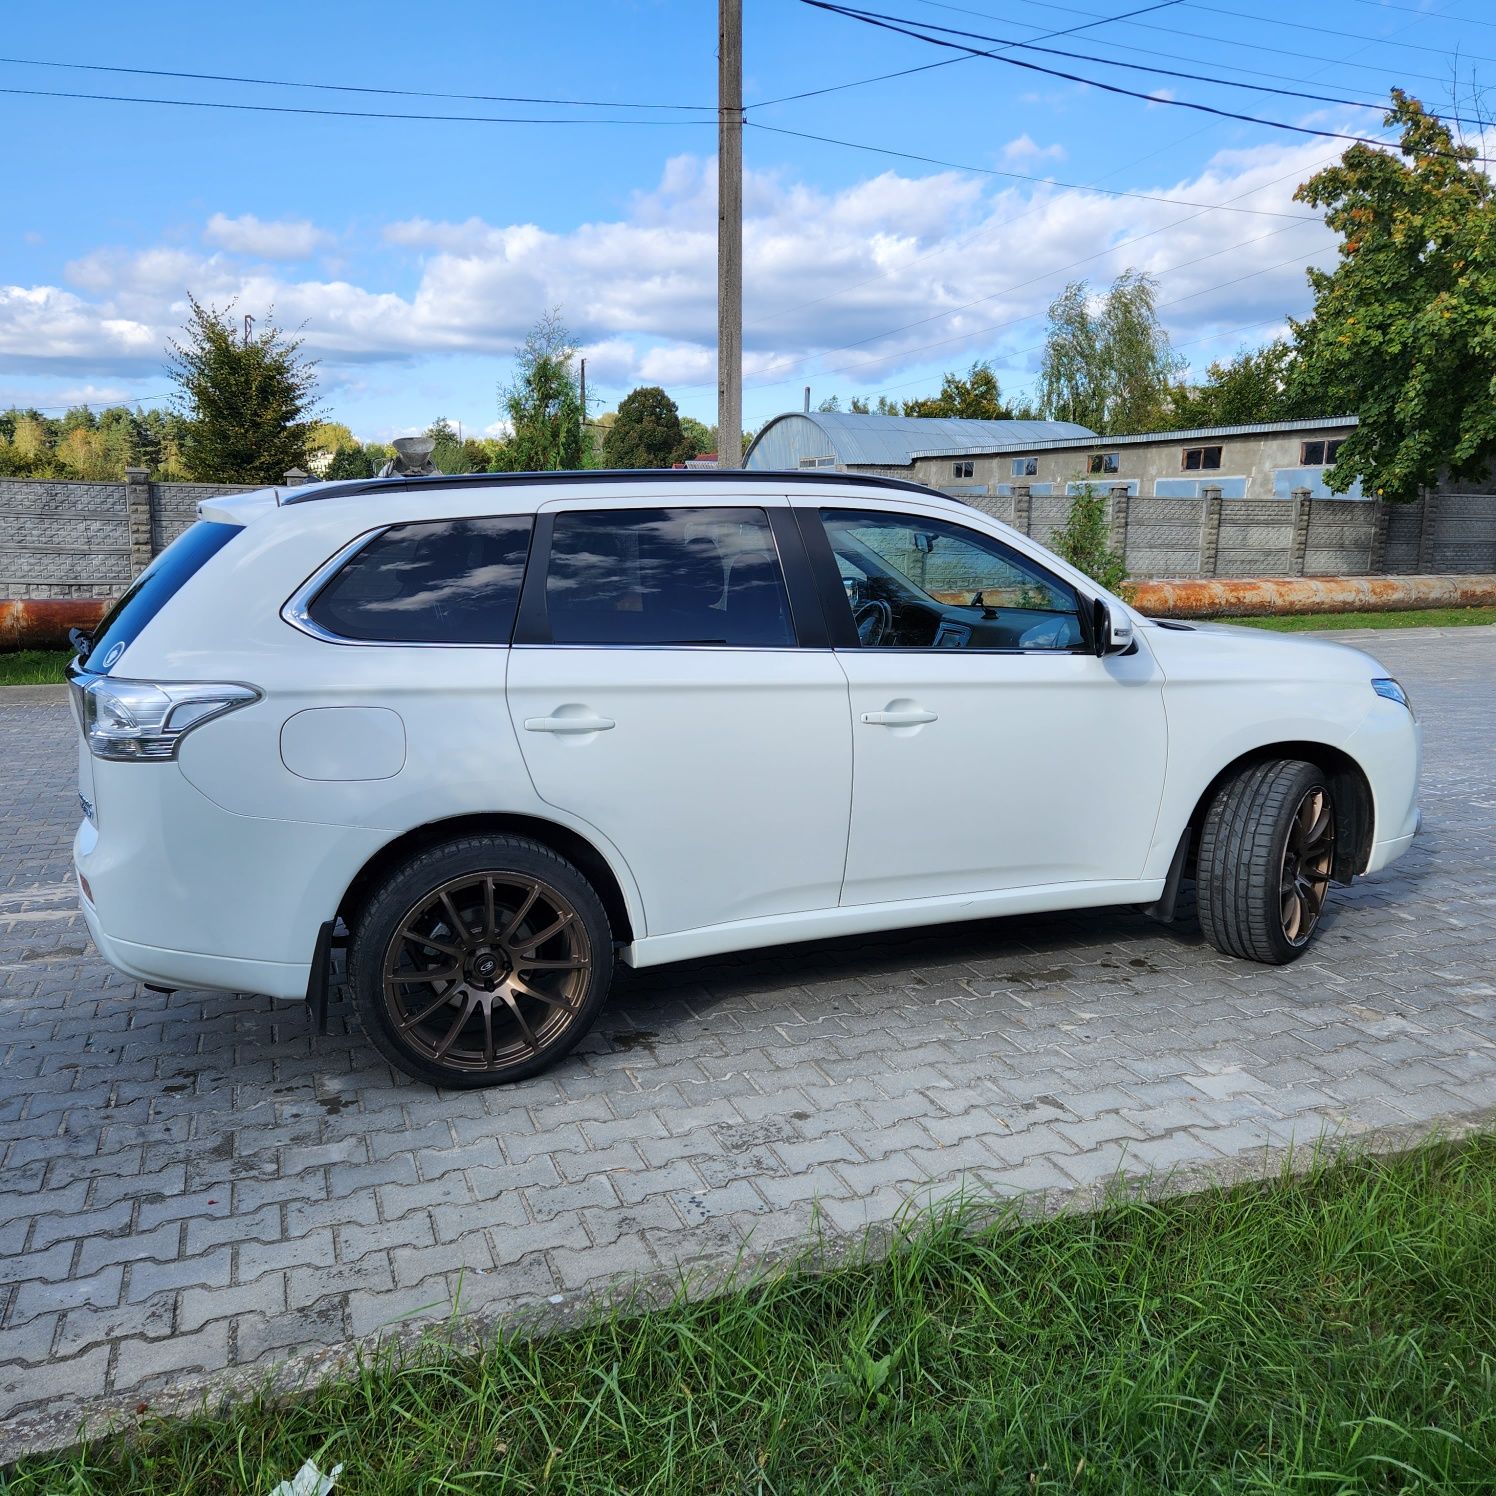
(564, 841)
(1354, 802)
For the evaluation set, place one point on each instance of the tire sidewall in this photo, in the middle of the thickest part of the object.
(390, 903)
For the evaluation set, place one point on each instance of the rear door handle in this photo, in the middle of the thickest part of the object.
(584, 722)
(909, 717)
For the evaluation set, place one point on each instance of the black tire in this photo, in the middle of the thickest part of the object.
(1266, 851)
(453, 943)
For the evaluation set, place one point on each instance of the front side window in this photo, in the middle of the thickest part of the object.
(666, 576)
(962, 469)
(1200, 459)
(918, 583)
(452, 581)
(1104, 462)
(1025, 467)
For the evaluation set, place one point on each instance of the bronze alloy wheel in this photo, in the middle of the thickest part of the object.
(485, 971)
(1308, 857)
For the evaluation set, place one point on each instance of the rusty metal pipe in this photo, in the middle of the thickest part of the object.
(43, 622)
(1189, 597)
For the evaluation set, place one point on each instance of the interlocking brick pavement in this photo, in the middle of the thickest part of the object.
(195, 1182)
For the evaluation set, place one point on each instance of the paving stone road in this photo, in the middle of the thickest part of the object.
(195, 1182)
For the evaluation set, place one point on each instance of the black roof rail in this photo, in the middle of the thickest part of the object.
(606, 475)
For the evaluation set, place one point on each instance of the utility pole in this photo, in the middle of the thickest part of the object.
(583, 394)
(729, 233)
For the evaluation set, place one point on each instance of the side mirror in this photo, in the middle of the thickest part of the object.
(1111, 628)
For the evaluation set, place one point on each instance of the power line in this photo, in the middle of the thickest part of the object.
(902, 28)
(1231, 42)
(403, 93)
(1414, 10)
(461, 119)
(1018, 176)
(95, 404)
(1243, 15)
(1007, 44)
(947, 61)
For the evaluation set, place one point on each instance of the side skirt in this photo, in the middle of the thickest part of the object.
(865, 919)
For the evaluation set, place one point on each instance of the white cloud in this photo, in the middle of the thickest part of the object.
(888, 273)
(1026, 148)
(286, 239)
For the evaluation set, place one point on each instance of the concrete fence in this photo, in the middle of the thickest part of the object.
(67, 540)
(1442, 533)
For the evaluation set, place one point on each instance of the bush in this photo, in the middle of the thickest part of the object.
(1084, 540)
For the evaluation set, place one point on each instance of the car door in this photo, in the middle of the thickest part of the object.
(992, 749)
(664, 691)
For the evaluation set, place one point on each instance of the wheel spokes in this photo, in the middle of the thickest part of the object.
(465, 983)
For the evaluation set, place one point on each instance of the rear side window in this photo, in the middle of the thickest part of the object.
(666, 576)
(153, 589)
(450, 581)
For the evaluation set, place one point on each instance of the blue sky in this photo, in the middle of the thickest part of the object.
(413, 255)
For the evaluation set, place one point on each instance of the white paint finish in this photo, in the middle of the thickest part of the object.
(721, 796)
(726, 779)
(343, 743)
(1038, 768)
(866, 919)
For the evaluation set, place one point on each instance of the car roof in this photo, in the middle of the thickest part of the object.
(689, 478)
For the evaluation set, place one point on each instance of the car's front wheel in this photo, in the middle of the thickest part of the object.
(1267, 851)
(480, 961)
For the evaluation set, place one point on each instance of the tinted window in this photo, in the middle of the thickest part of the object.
(447, 582)
(153, 589)
(917, 583)
(666, 576)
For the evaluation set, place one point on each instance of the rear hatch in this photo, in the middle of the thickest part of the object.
(148, 594)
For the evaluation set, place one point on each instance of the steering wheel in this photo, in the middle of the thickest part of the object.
(873, 618)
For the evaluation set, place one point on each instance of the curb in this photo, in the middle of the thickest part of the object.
(58, 1428)
(33, 695)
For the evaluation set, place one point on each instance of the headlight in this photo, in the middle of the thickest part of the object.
(133, 720)
(1384, 685)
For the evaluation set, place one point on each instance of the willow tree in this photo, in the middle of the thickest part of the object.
(1107, 362)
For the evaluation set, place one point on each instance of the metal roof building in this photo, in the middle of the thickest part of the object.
(845, 439)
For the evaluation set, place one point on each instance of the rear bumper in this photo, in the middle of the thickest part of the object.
(162, 967)
(183, 893)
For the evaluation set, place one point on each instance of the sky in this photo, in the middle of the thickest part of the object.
(412, 255)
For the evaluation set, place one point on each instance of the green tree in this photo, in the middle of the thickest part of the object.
(448, 453)
(1085, 540)
(974, 396)
(830, 403)
(350, 462)
(249, 403)
(863, 405)
(698, 437)
(1256, 385)
(1403, 330)
(1110, 366)
(647, 433)
(543, 405)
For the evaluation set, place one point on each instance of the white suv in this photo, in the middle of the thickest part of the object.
(496, 732)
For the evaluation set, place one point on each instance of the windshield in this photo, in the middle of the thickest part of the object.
(151, 591)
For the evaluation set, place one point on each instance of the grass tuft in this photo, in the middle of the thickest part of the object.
(33, 667)
(1404, 618)
(1331, 1333)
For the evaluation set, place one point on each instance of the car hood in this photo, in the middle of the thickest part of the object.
(1237, 650)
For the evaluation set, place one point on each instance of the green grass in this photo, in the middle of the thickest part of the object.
(33, 667)
(1411, 618)
(1328, 1335)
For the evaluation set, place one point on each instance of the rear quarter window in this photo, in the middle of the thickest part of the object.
(153, 589)
(439, 582)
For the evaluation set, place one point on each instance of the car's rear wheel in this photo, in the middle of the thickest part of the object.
(1267, 851)
(480, 961)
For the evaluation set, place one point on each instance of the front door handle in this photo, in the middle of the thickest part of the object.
(582, 722)
(904, 717)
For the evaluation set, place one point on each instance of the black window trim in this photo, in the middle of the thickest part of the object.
(297, 608)
(532, 623)
(833, 595)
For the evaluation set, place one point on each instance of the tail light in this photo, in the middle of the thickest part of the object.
(136, 720)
